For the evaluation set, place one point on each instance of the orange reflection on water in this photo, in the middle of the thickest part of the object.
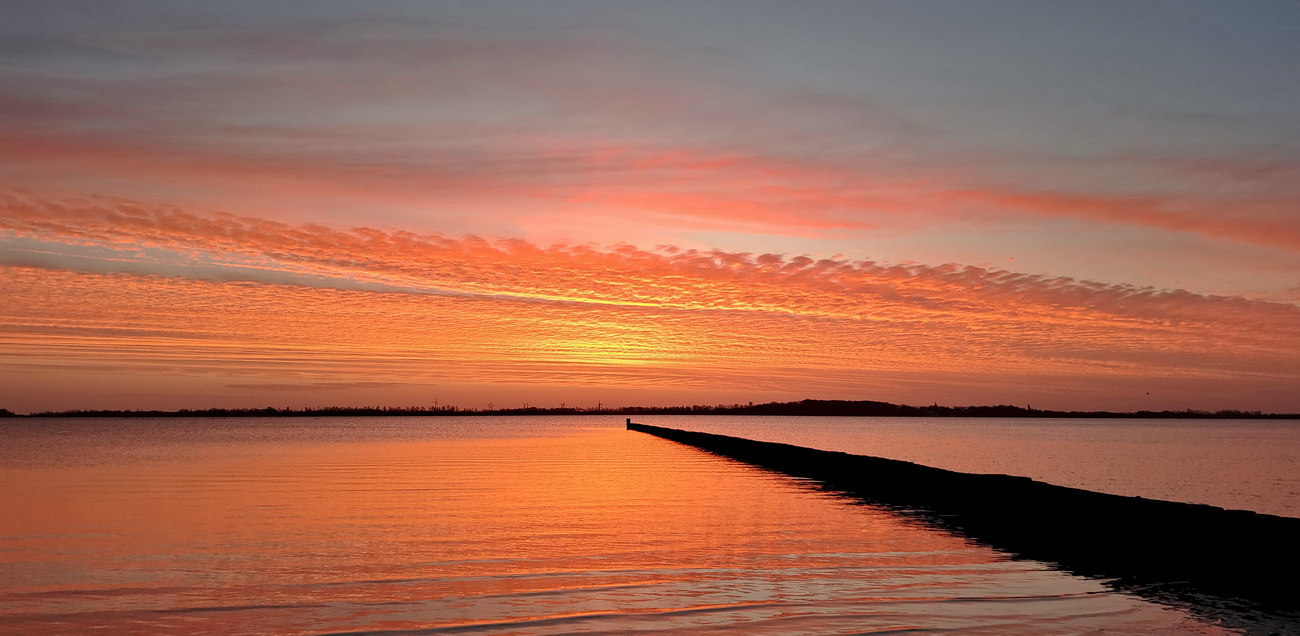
(599, 529)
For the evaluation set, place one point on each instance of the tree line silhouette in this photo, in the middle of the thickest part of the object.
(847, 408)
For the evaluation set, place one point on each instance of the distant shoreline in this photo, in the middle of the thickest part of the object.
(836, 408)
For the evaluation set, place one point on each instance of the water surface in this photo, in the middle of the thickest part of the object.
(480, 525)
(1235, 464)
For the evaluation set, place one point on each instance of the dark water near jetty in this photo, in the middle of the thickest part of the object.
(541, 525)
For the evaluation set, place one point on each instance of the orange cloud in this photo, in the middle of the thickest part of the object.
(99, 284)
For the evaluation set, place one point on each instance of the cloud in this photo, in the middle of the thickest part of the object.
(1265, 221)
(435, 118)
(428, 125)
(317, 386)
(113, 235)
(131, 288)
(686, 188)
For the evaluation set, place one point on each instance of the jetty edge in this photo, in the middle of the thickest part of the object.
(1170, 551)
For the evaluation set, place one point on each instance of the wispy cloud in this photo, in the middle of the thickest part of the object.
(581, 124)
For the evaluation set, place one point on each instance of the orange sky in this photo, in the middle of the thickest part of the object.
(118, 303)
(499, 203)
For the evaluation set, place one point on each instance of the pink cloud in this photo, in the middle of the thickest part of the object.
(1267, 222)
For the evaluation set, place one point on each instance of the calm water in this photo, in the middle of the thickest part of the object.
(483, 525)
(1237, 464)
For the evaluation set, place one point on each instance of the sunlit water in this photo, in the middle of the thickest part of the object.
(480, 525)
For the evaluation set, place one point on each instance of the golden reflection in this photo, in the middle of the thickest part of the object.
(592, 529)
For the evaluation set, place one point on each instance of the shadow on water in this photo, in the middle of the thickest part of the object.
(1232, 567)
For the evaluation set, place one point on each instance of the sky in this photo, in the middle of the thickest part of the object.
(1081, 205)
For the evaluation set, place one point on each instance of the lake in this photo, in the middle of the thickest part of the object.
(550, 525)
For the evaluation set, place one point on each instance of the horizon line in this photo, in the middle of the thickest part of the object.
(805, 407)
